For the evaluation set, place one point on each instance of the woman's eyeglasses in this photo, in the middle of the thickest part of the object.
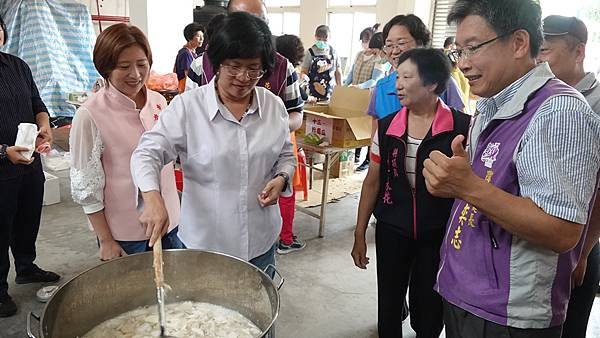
(235, 71)
(400, 46)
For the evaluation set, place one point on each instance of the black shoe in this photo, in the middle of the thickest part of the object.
(7, 306)
(364, 166)
(37, 275)
(296, 245)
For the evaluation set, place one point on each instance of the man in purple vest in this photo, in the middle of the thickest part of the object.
(564, 47)
(524, 188)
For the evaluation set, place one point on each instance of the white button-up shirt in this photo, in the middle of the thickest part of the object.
(226, 165)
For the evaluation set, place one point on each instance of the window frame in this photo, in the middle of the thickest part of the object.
(284, 6)
(287, 9)
(354, 11)
(374, 5)
(440, 29)
(297, 32)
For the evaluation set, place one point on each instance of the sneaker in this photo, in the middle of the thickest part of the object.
(44, 294)
(296, 245)
(364, 166)
(37, 275)
(7, 306)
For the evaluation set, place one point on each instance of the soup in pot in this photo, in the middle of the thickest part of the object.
(183, 319)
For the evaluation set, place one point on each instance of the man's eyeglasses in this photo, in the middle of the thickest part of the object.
(468, 51)
(235, 71)
(400, 45)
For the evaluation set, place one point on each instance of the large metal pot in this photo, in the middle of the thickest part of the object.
(126, 283)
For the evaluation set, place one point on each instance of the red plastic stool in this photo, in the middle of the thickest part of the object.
(179, 179)
(302, 171)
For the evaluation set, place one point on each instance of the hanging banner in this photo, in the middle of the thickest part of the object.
(56, 39)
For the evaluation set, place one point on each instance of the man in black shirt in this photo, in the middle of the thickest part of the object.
(21, 180)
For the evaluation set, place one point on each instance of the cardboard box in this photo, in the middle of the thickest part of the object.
(61, 137)
(344, 166)
(344, 122)
(51, 189)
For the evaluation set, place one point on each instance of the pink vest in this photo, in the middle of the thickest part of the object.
(121, 125)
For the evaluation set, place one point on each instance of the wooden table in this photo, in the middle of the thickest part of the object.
(332, 154)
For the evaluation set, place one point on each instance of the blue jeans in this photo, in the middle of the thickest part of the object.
(169, 241)
(264, 260)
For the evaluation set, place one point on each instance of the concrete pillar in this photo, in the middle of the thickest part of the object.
(163, 23)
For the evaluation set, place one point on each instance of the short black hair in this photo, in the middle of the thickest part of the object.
(413, 24)
(3, 26)
(214, 25)
(432, 64)
(376, 41)
(366, 34)
(190, 30)
(242, 36)
(322, 31)
(290, 46)
(504, 17)
(449, 40)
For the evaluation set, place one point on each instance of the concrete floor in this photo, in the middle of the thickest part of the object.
(324, 294)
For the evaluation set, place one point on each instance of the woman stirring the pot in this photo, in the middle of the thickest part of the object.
(105, 131)
(233, 141)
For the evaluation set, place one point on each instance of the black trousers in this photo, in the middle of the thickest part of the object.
(20, 211)
(463, 324)
(404, 262)
(582, 299)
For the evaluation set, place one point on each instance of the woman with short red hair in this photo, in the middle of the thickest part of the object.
(105, 131)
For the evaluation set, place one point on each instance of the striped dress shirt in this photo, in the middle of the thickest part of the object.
(557, 159)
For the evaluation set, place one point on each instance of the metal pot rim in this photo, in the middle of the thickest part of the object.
(275, 287)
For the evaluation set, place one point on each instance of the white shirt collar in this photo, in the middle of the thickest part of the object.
(213, 102)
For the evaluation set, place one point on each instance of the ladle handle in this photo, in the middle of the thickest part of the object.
(160, 282)
(157, 262)
(36, 317)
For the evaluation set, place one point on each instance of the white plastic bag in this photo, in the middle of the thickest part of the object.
(26, 137)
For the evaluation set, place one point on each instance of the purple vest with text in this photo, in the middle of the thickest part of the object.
(476, 268)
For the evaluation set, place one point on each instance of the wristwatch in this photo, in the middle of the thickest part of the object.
(3, 151)
(286, 179)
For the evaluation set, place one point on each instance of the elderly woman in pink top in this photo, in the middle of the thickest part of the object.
(105, 131)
